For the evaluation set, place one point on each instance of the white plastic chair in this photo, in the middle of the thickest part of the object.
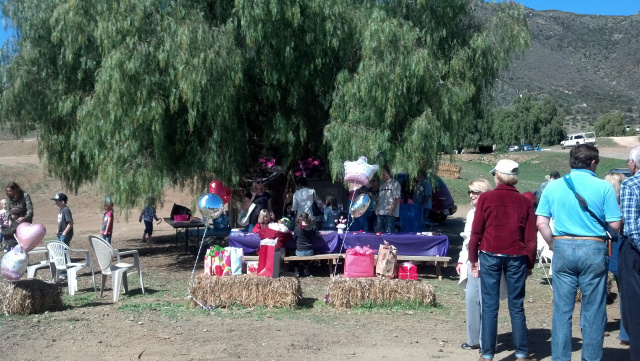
(33, 267)
(105, 254)
(60, 261)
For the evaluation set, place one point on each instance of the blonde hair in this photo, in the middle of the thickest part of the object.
(615, 179)
(480, 185)
(508, 179)
(262, 215)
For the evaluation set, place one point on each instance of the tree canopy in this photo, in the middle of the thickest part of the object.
(528, 122)
(135, 95)
(610, 125)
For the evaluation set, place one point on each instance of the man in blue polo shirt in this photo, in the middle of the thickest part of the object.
(580, 258)
(629, 255)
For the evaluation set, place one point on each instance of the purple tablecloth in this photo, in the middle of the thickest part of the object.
(408, 244)
(250, 242)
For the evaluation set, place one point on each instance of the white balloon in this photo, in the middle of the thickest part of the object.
(14, 264)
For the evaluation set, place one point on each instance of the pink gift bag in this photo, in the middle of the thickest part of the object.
(359, 262)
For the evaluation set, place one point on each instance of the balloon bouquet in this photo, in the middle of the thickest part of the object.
(211, 206)
(357, 174)
(14, 263)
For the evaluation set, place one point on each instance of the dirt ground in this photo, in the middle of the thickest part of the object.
(159, 325)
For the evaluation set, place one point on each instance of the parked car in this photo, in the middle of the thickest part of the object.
(443, 204)
(520, 148)
(513, 148)
(526, 147)
(624, 171)
(578, 138)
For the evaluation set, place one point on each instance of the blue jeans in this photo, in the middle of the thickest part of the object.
(64, 239)
(473, 303)
(515, 274)
(107, 237)
(385, 224)
(304, 253)
(583, 264)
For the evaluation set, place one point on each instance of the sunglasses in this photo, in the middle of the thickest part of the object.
(259, 182)
(629, 161)
(475, 193)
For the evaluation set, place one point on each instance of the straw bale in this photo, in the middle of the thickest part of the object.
(29, 296)
(348, 292)
(449, 170)
(245, 290)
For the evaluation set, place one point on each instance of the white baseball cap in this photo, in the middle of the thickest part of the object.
(506, 166)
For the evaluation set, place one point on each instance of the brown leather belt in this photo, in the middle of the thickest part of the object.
(594, 238)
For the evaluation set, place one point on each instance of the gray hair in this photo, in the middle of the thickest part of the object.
(635, 154)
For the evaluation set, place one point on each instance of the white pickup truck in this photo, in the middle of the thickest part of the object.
(578, 138)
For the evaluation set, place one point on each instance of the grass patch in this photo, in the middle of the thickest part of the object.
(167, 309)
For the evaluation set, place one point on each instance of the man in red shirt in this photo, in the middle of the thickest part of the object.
(503, 240)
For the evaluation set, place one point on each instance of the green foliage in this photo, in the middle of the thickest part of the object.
(140, 95)
(528, 122)
(610, 125)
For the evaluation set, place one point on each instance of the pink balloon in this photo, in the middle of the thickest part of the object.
(30, 235)
(14, 264)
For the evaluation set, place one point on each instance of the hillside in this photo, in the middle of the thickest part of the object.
(589, 64)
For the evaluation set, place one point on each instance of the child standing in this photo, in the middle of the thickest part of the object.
(65, 219)
(149, 214)
(107, 221)
(304, 234)
(4, 218)
(330, 213)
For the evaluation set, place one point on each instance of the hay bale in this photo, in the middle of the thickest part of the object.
(29, 296)
(245, 290)
(449, 170)
(349, 292)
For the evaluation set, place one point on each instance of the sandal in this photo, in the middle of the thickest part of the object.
(466, 346)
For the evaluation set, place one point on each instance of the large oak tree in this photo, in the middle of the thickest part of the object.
(135, 95)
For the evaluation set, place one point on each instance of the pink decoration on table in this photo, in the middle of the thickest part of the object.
(359, 172)
(30, 235)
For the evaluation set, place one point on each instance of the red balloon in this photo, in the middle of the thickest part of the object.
(227, 197)
(216, 187)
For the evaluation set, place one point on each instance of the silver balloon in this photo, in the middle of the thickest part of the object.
(14, 264)
(210, 206)
(359, 205)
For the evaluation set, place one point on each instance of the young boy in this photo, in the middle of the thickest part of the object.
(65, 220)
(107, 221)
(149, 214)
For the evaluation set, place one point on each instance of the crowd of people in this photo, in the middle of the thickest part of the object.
(592, 226)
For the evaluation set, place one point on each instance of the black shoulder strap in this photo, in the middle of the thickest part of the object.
(582, 202)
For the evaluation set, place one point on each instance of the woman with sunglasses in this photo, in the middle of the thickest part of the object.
(262, 200)
(468, 282)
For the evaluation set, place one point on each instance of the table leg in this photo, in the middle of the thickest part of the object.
(438, 271)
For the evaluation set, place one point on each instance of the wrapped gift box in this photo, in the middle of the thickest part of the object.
(408, 271)
(252, 268)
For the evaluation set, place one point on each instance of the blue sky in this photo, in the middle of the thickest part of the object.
(591, 7)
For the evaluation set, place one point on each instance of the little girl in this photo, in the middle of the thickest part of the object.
(263, 221)
(107, 221)
(304, 234)
(149, 214)
(4, 217)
